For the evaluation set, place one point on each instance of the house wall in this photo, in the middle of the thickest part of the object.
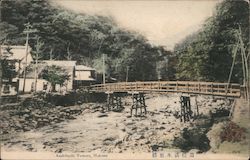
(69, 83)
(9, 89)
(29, 82)
(82, 75)
(29, 60)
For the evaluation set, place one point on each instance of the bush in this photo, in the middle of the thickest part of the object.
(232, 133)
(194, 138)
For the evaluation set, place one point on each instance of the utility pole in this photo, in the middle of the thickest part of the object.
(38, 47)
(27, 30)
(68, 52)
(127, 73)
(1, 10)
(245, 62)
(103, 67)
(1, 69)
(51, 54)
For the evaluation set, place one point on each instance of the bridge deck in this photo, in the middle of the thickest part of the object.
(207, 88)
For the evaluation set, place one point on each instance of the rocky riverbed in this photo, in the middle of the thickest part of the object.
(86, 127)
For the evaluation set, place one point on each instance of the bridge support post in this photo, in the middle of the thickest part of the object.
(114, 102)
(138, 104)
(186, 112)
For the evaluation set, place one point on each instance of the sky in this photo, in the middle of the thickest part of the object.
(162, 22)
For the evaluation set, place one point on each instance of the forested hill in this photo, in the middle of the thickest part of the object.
(208, 54)
(84, 38)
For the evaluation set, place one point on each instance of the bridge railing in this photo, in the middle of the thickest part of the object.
(210, 88)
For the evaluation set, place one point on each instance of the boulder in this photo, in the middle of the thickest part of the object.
(137, 136)
(102, 115)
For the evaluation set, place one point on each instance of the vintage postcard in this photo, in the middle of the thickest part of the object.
(124, 79)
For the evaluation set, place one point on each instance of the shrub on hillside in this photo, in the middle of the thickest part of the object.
(194, 138)
(232, 133)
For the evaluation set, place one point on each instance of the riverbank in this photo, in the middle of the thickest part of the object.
(87, 128)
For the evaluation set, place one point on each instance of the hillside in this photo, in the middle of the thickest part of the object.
(84, 38)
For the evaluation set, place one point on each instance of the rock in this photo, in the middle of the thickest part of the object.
(161, 128)
(220, 102)
(133, 128)
(162, 110)
(137, 137)
(117, 142)
(102, 115)
(109, 141)
(26, 116)
(26, 128)
(26, 111)
(59, 150)
(130, 123)
(71, 117)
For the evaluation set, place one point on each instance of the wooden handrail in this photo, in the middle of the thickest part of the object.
(211, 88)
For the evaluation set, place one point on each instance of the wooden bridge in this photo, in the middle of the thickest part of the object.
(206, 88)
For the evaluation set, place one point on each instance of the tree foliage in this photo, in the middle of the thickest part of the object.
(207, 54)
(55, 75)
(8, 67)
(84, 37)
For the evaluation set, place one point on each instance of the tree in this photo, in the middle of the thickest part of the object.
(55, 75)
(8, 70)
(207, 54)
(82, 37)
(38, 54)
(7, 66)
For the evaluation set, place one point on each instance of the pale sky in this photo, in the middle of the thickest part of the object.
(163, 22)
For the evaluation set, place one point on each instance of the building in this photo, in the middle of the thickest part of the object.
(69, 67)
(31, 81)
(9, 88)
(41, 84)
(84, 76)
(17, 55)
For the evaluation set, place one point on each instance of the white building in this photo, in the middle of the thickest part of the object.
(17, 54)
(42, 84)
(84, 76)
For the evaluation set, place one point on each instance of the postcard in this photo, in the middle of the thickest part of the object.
(124, 79)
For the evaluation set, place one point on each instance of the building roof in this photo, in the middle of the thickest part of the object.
(18, 52)
(60, 63)
(84, 79)
(31, 70)
(84, 68)
(68, 66)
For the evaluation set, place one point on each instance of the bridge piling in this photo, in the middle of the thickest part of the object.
(138, 104)
(114, 102)
(186, 112)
